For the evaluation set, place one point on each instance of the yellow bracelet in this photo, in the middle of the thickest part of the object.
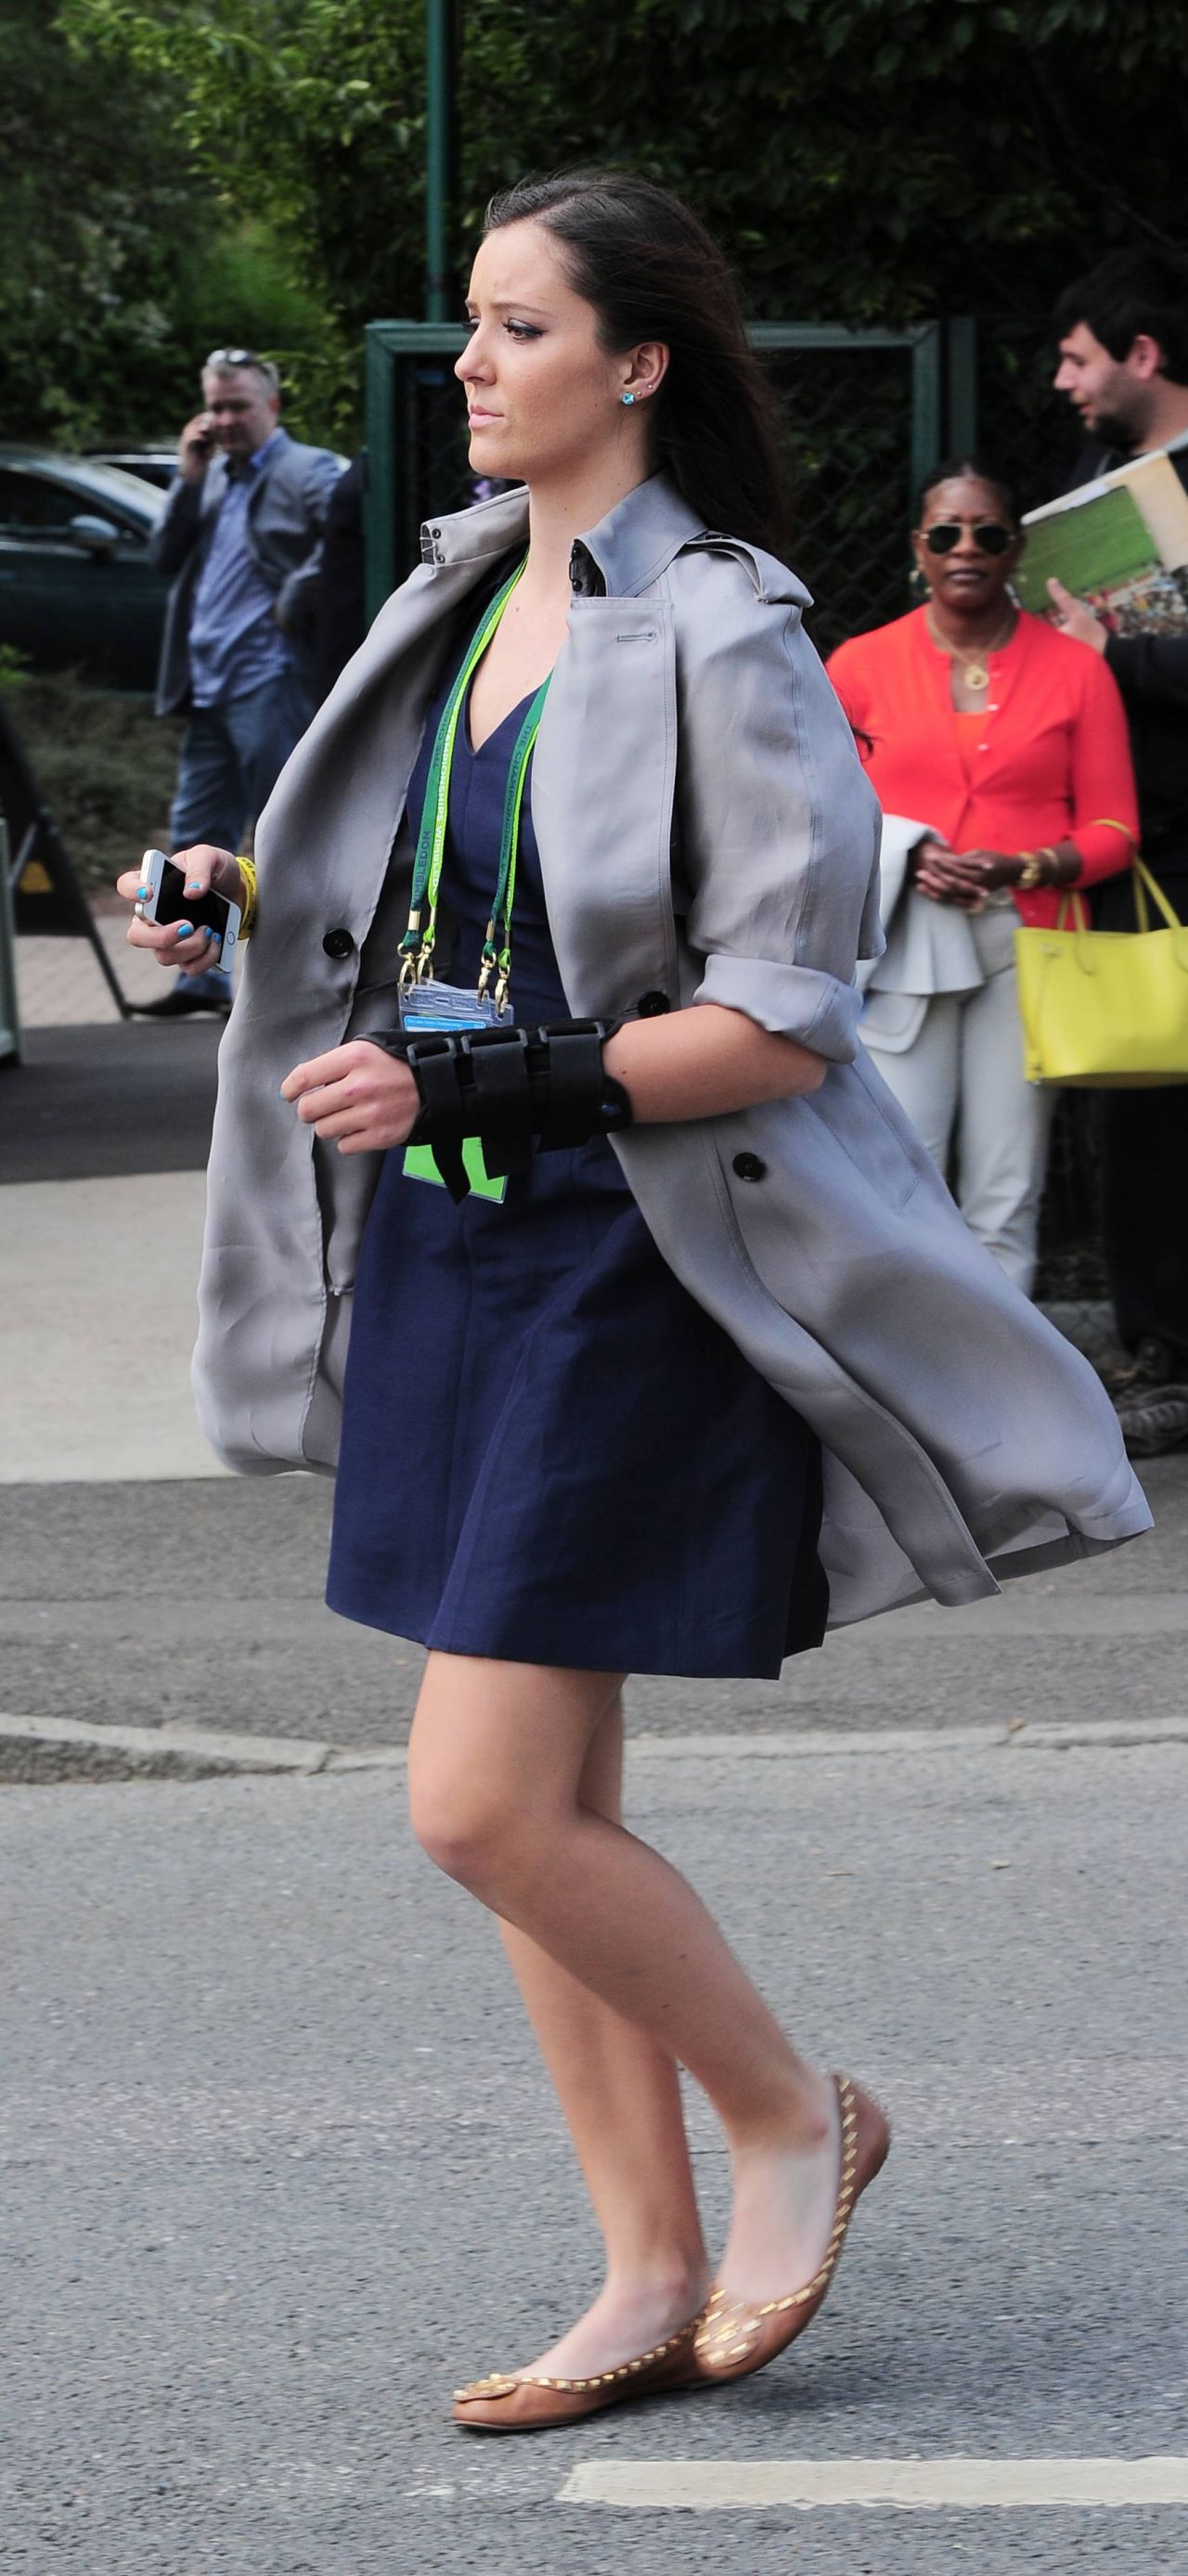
(247, 870)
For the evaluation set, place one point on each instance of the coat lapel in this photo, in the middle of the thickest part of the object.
(353, 766)
(605, 856)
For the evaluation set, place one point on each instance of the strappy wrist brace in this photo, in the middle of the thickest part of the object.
(515, 1089)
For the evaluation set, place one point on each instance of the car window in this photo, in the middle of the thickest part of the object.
(35, 504)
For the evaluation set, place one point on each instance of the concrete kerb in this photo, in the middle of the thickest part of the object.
(46, 1750)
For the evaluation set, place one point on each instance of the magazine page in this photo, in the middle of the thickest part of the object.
(1120, 544)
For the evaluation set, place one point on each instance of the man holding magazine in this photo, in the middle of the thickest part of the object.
(1124, 367)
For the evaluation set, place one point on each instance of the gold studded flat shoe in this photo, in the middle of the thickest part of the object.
(520, 2402)
(735, 2338)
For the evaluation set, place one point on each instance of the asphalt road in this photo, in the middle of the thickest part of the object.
(91, 1103)
(201, 1602)
(280, 2166)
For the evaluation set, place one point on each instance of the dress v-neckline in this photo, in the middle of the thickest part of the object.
(475, 750)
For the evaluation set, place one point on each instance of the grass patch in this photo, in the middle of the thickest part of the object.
(105, 765)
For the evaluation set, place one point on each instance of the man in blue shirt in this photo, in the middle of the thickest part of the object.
(242, 534)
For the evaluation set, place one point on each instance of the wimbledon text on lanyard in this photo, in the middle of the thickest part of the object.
(416, 947)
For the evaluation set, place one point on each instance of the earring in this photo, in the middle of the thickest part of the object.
(917, 580)
(627, 398)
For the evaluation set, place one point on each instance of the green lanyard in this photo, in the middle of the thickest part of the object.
(416, 947)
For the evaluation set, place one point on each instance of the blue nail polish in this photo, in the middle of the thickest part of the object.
(193, 886)
(143, 893)
(185, 930)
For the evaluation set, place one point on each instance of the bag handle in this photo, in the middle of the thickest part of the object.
(1145, 884)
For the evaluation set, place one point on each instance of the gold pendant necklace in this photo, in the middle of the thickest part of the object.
(975, 673)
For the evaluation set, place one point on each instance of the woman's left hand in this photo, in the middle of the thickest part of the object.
(356, 1097)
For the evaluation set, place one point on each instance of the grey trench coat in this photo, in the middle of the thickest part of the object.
(706, 834)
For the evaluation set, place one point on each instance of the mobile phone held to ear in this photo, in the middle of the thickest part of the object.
(168, 901)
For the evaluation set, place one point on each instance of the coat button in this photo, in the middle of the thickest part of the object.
(749, 1167)
(338, 943)
(651, 1005)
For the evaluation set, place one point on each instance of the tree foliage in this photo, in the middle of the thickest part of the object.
(121, 259)
(856, 155)
(863, 160)
(87, 273)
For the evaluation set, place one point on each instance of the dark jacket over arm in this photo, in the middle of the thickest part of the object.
(176, 532)
(1152, 673)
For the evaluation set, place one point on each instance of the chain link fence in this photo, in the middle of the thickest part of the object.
(862, 414)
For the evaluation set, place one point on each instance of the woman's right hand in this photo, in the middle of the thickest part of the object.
(936, 873)
(203, 868)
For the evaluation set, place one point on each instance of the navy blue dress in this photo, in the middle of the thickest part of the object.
(550, 1453)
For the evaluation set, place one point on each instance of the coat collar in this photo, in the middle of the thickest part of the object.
(629, 548)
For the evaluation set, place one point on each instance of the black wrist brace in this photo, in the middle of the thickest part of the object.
(515, 1089)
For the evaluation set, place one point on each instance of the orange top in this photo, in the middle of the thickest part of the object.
(1048, 759)
(969, 725)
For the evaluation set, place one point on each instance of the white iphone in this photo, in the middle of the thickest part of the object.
(168, 901)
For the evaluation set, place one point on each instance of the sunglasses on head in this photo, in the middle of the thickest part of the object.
(990, 537)
(234, 358)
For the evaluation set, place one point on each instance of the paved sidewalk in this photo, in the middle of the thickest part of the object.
(280, 2166)
(61, 984)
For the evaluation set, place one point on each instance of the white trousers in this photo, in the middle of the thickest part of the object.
(961, 1081)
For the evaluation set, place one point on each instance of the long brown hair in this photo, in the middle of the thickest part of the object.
(652, 272)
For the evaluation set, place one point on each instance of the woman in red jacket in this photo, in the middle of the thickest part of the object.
(1000, 756)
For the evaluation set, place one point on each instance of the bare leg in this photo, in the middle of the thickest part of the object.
(496, 1759)
(620, 2094)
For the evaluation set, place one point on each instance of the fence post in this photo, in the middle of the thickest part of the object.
(926, 401)
(961, 370)
(379, 499)
(441, 80)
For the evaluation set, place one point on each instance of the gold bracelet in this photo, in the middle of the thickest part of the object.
(1035, 873)
(247, 870)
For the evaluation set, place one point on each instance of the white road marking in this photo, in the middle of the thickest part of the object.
(714, 2486)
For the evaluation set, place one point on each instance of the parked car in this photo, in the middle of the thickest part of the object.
(77, 586)
(156, 465)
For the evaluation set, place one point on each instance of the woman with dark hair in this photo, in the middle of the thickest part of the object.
(1000, 755)
(587, 1377)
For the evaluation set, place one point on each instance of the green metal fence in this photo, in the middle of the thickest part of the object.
(864, 415)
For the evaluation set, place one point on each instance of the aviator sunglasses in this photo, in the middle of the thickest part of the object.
(989, 536)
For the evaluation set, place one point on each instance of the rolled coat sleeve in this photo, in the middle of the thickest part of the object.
(779, 826)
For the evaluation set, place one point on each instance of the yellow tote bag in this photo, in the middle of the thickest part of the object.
(1105, 1009)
